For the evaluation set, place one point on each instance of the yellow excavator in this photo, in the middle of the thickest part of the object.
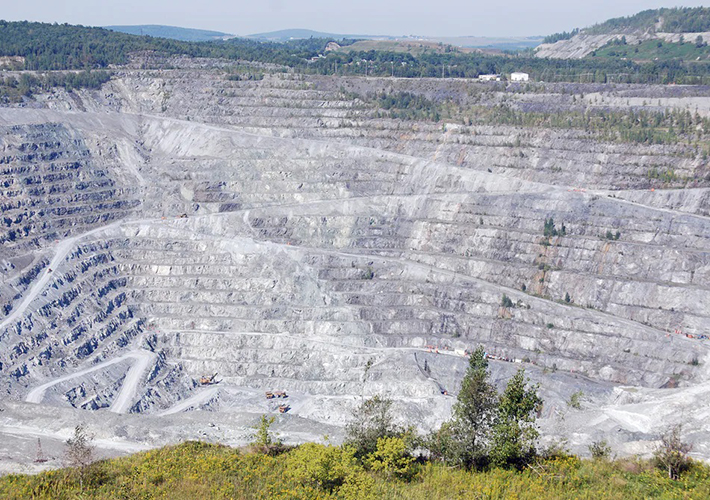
(204, 380)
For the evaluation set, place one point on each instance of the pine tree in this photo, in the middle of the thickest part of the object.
(474, 412)
(464, 440)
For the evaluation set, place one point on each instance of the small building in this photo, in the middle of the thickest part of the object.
(489, 78)
(519, 77)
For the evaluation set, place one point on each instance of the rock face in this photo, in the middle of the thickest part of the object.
(583, 44)
(286, 237)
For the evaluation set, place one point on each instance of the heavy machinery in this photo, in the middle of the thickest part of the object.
(284, 408)
(204, 380)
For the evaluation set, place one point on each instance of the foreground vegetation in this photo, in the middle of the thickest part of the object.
(486, 450)
(198, 470)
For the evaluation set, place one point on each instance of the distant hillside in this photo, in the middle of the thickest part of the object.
(676, 20)
(484, 42)
(301, 34)
(501, 43)
(648, 30)
(172, 32)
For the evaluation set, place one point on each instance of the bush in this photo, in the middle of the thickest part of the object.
(368, 273)
(506, 302)
(600, 450)
(322, 467)
(671, 455)
(372, 420)
(262, 437)
(575, 400)
(392, 457)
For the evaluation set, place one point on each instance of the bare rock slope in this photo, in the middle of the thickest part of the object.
(286, 237)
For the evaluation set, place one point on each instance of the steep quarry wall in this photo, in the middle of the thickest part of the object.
(286, 236)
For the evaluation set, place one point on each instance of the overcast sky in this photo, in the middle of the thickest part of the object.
(384, 17)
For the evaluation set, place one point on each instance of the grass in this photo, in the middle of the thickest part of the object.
(205, 471)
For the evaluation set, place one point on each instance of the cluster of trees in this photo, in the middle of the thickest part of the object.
(61, 46)
(13, 88)
(675, 20)
(686, 20)
(550, 230)
(645, 127)
(407, 106)
(486, 428)
(636, 126)
(556, 37)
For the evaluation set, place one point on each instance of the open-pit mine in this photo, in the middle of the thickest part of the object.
(177, 244)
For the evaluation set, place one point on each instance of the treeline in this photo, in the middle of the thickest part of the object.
(686, 20)
(14, 88)
(61, 47)
(463, 65)
(645, 127)
(675, 20)
(635, 126)
(556, 37)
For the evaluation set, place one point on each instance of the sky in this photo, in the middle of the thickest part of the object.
(367, 17)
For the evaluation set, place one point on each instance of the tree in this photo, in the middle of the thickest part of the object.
(514, 432)
(473, 415)
(672, 453)
(263, 438)
(79, 452)
(506, 302)
(372, 420)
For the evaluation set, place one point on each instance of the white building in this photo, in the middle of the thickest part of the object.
(489, 78)
(519, 77)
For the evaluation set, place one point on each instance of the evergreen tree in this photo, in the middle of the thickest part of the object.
(514, 432)
(474, 411)
(464, 441)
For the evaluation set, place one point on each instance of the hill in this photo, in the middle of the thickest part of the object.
(171, 32)
(301, 34)
(667, 26)
(675, 20)
(500, 43)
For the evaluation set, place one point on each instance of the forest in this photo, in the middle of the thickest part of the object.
(64, 47)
